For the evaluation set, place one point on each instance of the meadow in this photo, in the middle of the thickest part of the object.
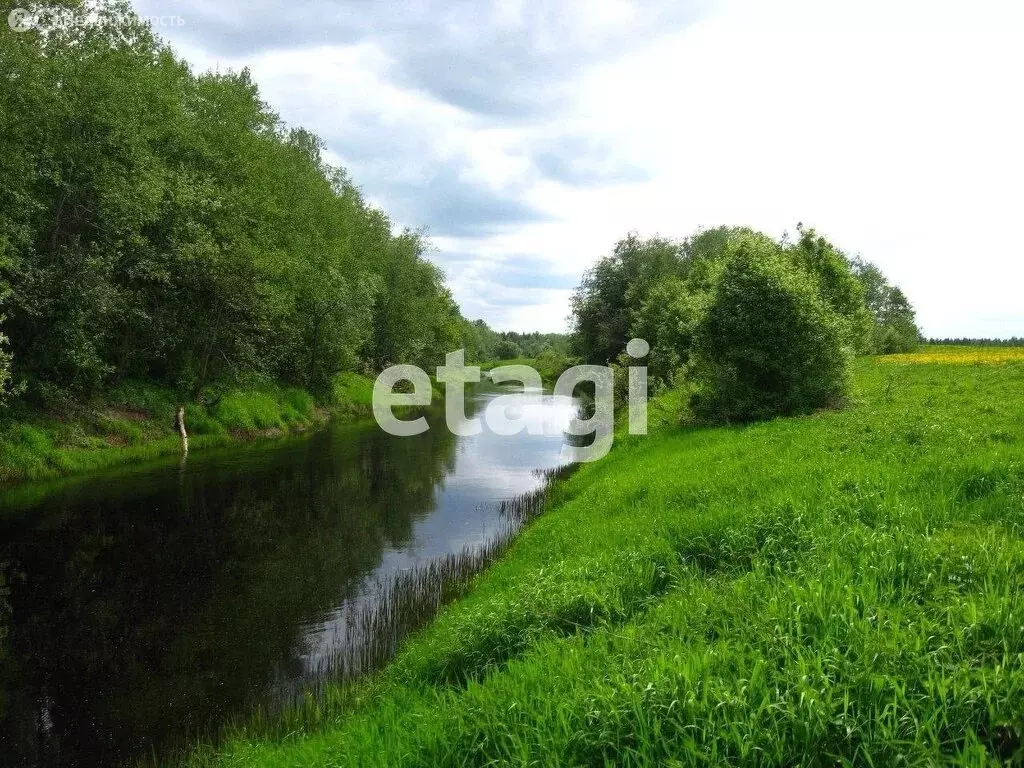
(836, 589)
(957, 355)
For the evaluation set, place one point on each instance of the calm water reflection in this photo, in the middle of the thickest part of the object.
(149, 605)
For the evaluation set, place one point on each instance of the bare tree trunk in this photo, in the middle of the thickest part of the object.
(179, 424)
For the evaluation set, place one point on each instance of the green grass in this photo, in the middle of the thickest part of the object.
(840, 589)
(134, 423)
(352, 393)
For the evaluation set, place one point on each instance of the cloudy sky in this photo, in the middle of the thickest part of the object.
(527, 137)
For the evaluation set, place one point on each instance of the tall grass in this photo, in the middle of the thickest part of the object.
(840, 589)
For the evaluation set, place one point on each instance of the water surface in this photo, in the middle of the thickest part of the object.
(147, 606)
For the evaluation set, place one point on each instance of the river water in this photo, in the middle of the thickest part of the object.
(149, 605)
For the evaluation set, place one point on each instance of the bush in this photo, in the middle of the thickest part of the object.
(839, 287)
(507, 350)
(769, 344)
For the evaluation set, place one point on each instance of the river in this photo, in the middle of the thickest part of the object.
(149, 605)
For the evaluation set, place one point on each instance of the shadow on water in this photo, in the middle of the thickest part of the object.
(148, 608)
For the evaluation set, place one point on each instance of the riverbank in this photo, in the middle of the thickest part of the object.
(135, 423)
(844, 587)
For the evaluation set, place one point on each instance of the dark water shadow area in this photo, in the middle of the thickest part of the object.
(149, 606)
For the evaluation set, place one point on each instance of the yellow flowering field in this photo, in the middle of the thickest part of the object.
(958, 355)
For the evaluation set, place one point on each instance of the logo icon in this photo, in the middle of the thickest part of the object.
(19, 20)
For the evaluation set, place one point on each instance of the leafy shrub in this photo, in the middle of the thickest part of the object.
(769, 344)
(507, 350)
(838, 285)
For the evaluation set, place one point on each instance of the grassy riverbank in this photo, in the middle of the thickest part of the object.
(134, 423)
(842, 588)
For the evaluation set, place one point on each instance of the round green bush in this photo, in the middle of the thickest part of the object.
(769, 344)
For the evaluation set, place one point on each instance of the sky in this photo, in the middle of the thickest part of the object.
(526, 138)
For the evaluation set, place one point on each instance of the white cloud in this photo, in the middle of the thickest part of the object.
(894, 128)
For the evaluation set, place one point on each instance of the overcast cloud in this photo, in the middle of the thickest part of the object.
(528, 137)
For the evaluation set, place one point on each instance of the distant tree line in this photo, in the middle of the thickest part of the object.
(961, 342)
(508, 345)
(754, 326)
(166, 225)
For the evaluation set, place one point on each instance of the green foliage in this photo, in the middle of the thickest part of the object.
(1014, 341)
(799, 592)
(894, 329)
(507, 350)
(249, 411)
(297, 405)
(351, 388)
(614, 288)
(136, 423)
(662, 291)
(667, 319)
(166, 226)
(838, 286)
(199, 422)
(122, 430)
(769, 344)
(482, 344)
(551, 364)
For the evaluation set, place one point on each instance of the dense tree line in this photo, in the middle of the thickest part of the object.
(756, 327)
(1013, 341)
(483, 343)
(162, 224)
(512, 344)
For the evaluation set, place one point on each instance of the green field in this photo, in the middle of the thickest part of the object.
(840, 589)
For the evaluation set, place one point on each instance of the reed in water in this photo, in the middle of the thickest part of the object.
(375, 624)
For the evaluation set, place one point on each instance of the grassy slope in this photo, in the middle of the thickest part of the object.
(843, 587)
(135, 423)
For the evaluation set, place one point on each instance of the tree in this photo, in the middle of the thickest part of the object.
(667, 320)
(894, 328)
(770, 344)
(897, 330)
(838, 286)
(613, 289)
(163, 225)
